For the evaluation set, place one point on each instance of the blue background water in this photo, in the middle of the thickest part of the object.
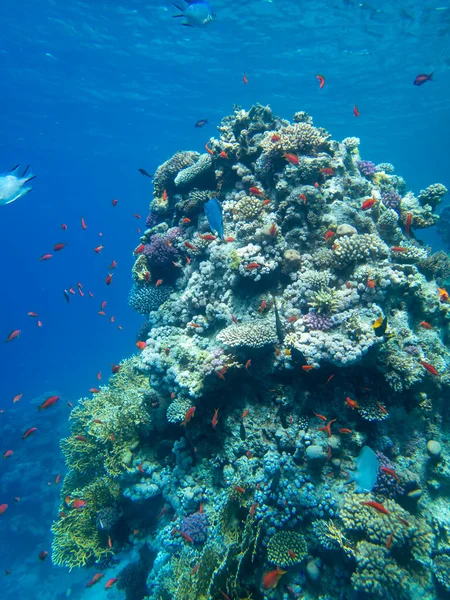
(91, 91)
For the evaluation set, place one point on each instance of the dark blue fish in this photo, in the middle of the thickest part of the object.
(198, 13)
(213, 213)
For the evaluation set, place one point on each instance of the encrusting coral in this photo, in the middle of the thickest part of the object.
(317, 324)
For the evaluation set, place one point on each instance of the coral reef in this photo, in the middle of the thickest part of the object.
(313, 334)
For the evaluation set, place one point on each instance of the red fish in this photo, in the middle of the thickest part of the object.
(17, 398)
(229, 239)
(327, 171)
(78, 503)
(215, 418)
(252, 265)
(256, 191)
(32, 314)
(91, 294)
(57, 478)
(245, 79)
(188, 416)
(141, 345)
(377, 506)
(185, 221)
(3, 508)
(7, 454)
(327, 427)
(99, 375)
(223, 154)
(39, 323)
(389, 541)
(248, 364)
(322, 417)
(382, 408)
(111, 582)
(423, 78)
(101, 313)
(271, 579)
(64, 227)
(115, 369)
(344, 430)
(165, 196)
(42, 554)
(29, 432)
(292, 319)
(137, 216)
(94, 390)
(292, 158)
(369, 203)
(208, 150)
(356, 111)
(109, 279)
(443, 295)
(266, 202)
(112, 319)
(262, 307)
(239, 489)
(94, 580)
(429, 367)
(330, 377)
(390, 472)
(307, 367)
(408, 223)
(371, 283)
(113, 265)
(273, 230)
(51, 400)
(46, 257)
(139, 249)
(114, 201)
(275, 138)
(207, 237)
(71, 290)
(58, 247)
(425, 325)
(98, 249)
(303, 197)
(81, 438)
(321, 79)
(83, 223)
(351, 403)
(398, 249)
(190, 246)
(329, 235)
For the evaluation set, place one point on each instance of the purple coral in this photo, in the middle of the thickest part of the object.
(366, 167)
(196, 527)
(387, 485)
(391, 199)
(161, 252)
(151, 220)
(315, 321)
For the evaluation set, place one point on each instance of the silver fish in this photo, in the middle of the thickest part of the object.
(13, 185)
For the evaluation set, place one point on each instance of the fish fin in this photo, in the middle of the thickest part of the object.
(29, 179)
(179, 7)
(177, 16)
(186, 25)
(430, 76)
(26, 169)
(14, 169)
(12, 200)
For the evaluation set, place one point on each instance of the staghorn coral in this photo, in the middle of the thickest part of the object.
(286, 548)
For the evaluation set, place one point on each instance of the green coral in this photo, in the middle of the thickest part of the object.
(441, 570)
(325, 301)
(235, 260)
(286, 548)
(76, 539)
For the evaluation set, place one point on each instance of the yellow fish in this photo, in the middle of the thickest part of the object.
(378, 322)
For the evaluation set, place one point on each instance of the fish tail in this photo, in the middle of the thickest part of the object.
(29, 179)
(26, 169)
(14, 168)
(179, 8)
(430, 76)
(177, 16)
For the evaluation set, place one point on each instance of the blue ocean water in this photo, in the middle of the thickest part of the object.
(92, 91)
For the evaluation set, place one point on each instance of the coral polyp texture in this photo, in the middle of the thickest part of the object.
(315, 326)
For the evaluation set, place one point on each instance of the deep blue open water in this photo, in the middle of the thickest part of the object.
(92, 91)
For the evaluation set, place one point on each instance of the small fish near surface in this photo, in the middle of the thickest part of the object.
(198, 13)
(423, 78)
(201, 123)
(213, 212)
(13, 185)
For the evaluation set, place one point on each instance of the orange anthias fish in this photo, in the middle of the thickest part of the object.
(327, 171)
(64, 227)
(369, 203)
(113, 265)
(425, 325)
(114, 201)
(429, 367)
(351, 403)
(46, 257)
(32, 314)
(42, 554)
(271, 579)
(3, 508)
(329, 235)
(51, 400)
(83, 223)
(371, 283)
(185, 221)
(57, 478)
(95, 579)
(111, 582)
(377, 506)
(188, 416)
(165, 196)
(13, 335)
(208, 237)
(29, 432)
(223, 154)
(263, 306)
(256, 191)
(98, 249)
(58, 247)
(7, 454)
(17, 398)
(78, 503)
(356, 111)
(408, 223)
(115, 369)
(245, 79)
(109, 279)
(139, 249)
(215, 418)
(398, 249)
(252, 265)
(303, 197)
(141, 345)
(321, 79)
(390, 472)
(291, 158)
